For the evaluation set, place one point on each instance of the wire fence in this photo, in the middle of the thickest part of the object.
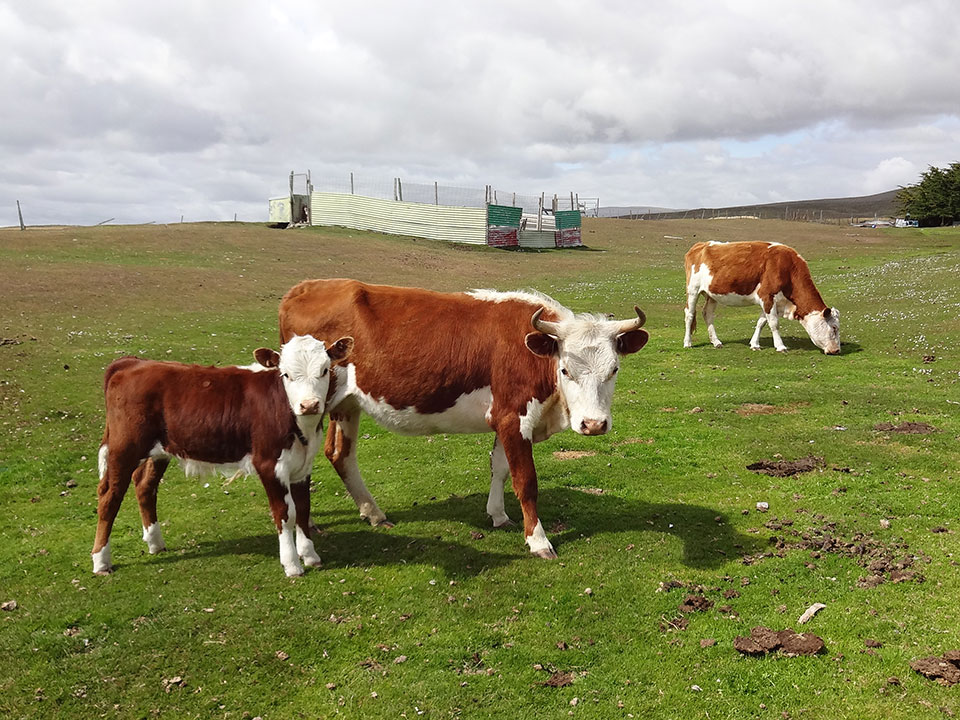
(451, 196)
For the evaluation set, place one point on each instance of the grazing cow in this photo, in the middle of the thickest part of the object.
(767, 274)
(516, 363)
(262, 419)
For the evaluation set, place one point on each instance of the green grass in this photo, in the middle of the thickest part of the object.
(480, 623)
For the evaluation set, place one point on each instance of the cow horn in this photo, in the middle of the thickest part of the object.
(632, 324)
(544, 326)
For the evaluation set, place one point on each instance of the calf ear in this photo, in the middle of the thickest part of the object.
(630, 342)
(340, 349)
(267, 357)
(541, 344)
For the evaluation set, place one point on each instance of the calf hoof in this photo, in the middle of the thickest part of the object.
(781, 350)
(717, 344)
(754, 347)
(504, 524)
(384, 524)
(312, 562)
(546, 553)
(103, 572)
(293, 571)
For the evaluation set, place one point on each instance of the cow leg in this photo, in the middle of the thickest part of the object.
(690, 318)
(709, 307)
(146, 479)
(519, 454)
(773, 320)
(300, 492)
(116, 470)
(755, 340)
(341, 451)
(284, 515)
(499, 469)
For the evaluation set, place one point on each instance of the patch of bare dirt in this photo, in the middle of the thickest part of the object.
(573, 454)
(695, 603)
(883, 561)
(945, 669)
(786, 468)
(749, 409)
(763, 640)
(906, 428)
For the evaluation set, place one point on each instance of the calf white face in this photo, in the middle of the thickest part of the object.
(304, 364)
(588, 352)
(824, 330)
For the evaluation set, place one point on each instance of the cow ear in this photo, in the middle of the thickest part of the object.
(267, 357)
(833, 311)
(542, 344)
(630, 342)
(340, 349)
(826, 313)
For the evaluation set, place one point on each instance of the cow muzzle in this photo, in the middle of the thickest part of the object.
(593, 427)
(310, 406)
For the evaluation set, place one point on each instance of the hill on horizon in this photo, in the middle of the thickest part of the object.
(866, 206)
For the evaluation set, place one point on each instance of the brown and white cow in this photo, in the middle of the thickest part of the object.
(264, 420)
(767, 274)
(518, 364)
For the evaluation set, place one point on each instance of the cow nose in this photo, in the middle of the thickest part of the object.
(593, 427)
(832, 351)
(310, 406)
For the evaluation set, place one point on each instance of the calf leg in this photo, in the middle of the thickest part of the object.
(146, 479)
(755, 340)
(300, 492)
(284, 515)
(116, 469)
(341, 451)
(519, 454)
(499, 469)
(690, 318)
(709, 308)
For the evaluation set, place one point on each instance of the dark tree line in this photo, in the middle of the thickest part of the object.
(935, 200)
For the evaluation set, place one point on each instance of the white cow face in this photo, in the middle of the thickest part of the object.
(304, 365)
(588, 351)
(824, 329)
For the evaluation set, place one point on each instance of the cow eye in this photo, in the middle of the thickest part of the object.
(324, 373)
(563, 371)
(284, 376)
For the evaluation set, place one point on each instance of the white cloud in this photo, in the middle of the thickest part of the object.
(145, 111)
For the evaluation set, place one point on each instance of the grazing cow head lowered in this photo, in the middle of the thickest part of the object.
(588, 351)
(823, 327)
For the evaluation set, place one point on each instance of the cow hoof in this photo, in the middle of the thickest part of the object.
(718, 344)
(386, 524)
(783, 350)
(103, 572)
(293, 572)
(505, 525)
(546, 553)
(312, 562)
(754, 347)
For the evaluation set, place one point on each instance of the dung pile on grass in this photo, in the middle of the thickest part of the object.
(945, 669)
(763, 640)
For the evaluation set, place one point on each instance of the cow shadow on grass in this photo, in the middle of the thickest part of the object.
(571, 516)
(363, 547)
(795, 343)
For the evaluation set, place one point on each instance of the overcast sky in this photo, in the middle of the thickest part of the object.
(149, 111)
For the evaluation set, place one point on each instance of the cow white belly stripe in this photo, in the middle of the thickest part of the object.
(467, 415)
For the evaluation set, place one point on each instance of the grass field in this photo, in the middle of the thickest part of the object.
(441, 616)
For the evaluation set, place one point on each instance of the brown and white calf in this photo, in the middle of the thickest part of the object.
(262, 419)
(518, 364)
(767, 274)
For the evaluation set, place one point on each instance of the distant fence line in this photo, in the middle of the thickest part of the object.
(813, 215)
